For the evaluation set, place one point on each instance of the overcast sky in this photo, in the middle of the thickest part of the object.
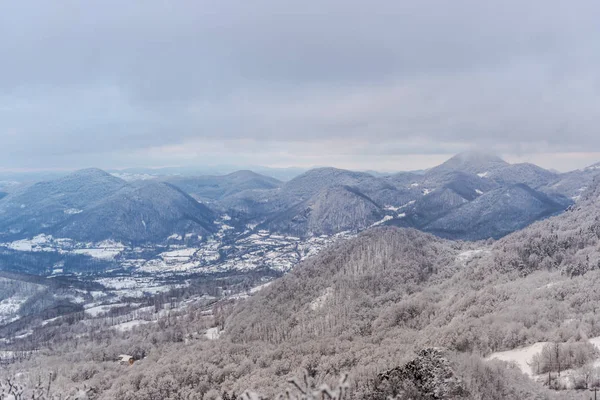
(388, 85)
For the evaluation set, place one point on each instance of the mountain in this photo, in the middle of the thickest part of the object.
(573, 184)
(2, 195)
(529, 174)
(473, 162)
(311, 182)
(150, 213)
(594, 167)
(433, 206)
(38, 207)
(331, 210)
(403, 312)
(496, 213)
(418, 200)
(496, 169)
(404, 179)
(377, 263)
(216, 187)
(323, 200)
(390, 292)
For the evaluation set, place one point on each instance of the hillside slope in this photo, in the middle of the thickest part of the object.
(332, 210)
(496, 213)
(38, 207)
(211, 188)
(150, 213)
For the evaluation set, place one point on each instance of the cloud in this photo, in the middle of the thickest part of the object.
(292, 83)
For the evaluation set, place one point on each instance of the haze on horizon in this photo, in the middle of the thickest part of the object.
(382, 86)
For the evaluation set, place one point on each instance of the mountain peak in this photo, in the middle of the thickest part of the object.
(473, 162)
(474, 156)
(594, 167)
(90, 173)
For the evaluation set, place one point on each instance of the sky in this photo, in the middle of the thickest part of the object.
(377, 85)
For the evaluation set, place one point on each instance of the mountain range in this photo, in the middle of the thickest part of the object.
(92, 205)
(471, 196)
(399, 309)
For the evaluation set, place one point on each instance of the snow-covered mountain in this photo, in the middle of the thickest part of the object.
(419, 200)
(149, 214)
(496, 213)
(331, 210)
(36, 208)
(216, 187)
(473, 162)
(469, 190)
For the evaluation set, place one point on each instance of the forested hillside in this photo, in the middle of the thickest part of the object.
(366, 306)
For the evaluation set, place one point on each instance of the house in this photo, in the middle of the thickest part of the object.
(125, 359)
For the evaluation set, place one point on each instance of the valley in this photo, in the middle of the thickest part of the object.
(341, 271)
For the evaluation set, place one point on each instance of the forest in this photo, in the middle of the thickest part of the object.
(362, 307)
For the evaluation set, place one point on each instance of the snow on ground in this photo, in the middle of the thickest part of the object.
(483, 174)
(103, 254)
(468, 255)
(135, 286)
(6, 354)
(107, 249)
(260, 287)
(185, 252)
(118, 283)
(521, 356)
(383, 220)
(320, 301)
(478, 191)
(125, 326)
(37, 243)
(213, 333)
(549, 285)
(427, 191)
(392, 208)
(97, 310)
(129, 177)
(9, 308)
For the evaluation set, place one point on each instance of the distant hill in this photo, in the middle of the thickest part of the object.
(216, 187)
(472, 162)
(331, 210)
(529, 174)
(468, 191)
(496, 213)
(472, 195)
(150, 213)
(38, 207)
(311, 182)
(573, 184)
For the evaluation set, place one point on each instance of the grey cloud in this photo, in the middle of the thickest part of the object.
(108, 80)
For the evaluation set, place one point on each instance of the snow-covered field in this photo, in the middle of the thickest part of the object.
(468, 255)
(107, 249)
(521, 357)
(9, 308)
(213, 333)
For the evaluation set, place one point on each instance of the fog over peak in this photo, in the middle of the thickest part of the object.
(384, 85)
